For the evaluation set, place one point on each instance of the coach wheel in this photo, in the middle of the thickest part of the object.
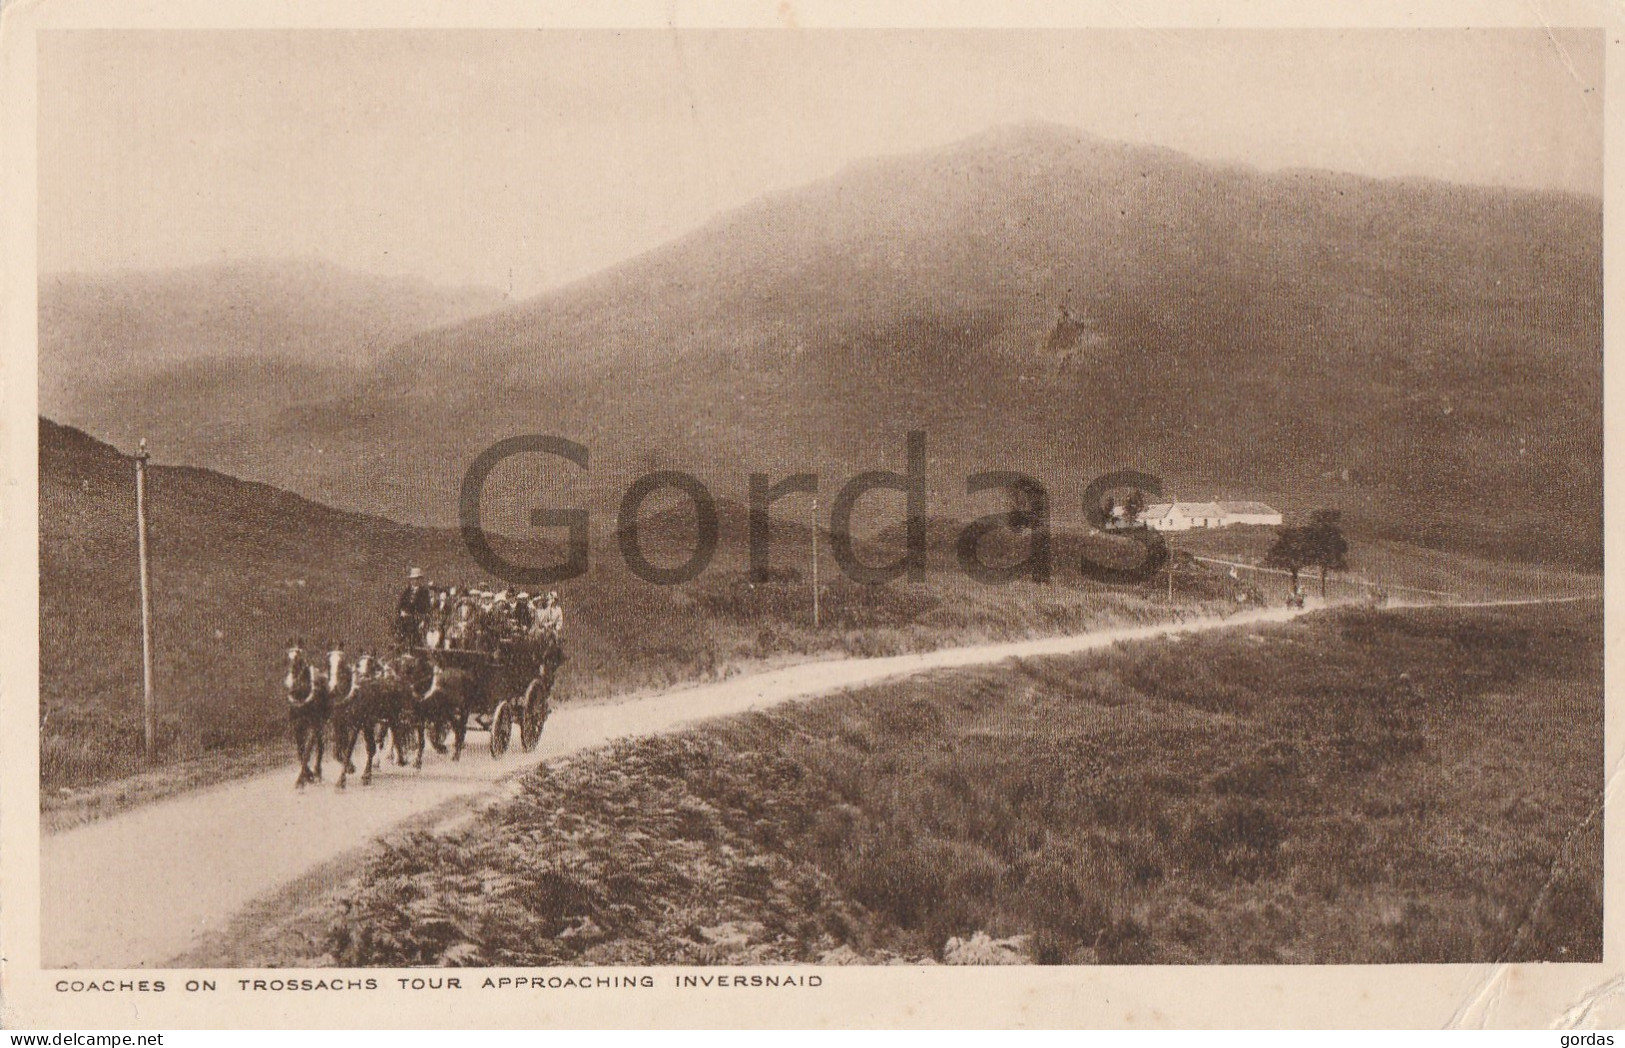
(501, 728)
(534, 715)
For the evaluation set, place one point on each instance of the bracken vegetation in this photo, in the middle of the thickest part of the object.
(1271, 796)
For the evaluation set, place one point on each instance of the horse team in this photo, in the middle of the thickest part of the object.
(402, 699)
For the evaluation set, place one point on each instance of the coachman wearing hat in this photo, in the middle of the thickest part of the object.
(412, 608)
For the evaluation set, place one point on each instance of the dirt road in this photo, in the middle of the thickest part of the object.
(138, 889)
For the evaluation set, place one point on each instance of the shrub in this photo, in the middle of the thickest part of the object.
(1238, 836)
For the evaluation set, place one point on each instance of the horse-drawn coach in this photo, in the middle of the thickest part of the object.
(505, 686)
(460, 656)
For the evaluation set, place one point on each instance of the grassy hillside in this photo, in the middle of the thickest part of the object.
(1426, 356)
(238, 568)
(195, 357)
(293, 309)
(1271, 796)
(1432, 573)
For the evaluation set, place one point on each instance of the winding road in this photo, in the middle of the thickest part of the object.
(140, 888)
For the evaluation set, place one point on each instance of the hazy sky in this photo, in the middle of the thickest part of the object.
(459, 155)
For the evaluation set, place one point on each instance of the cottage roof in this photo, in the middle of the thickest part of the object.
(1181, 509)
(1250, 508)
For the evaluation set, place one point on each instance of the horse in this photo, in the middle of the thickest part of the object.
(337, 681)
(550, 643)
(340, 674)
(370, 667)
(309, 705)
(373, 698)
(416, 672)
(452, 694)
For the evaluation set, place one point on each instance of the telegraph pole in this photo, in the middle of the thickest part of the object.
(815, 560)
(149, 706)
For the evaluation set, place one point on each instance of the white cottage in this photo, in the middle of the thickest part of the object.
(1185, 516)
(1182, 516)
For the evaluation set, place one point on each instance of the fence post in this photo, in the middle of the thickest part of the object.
(815, 561)
(149, 706)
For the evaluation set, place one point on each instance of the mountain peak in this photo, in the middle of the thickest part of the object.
(1034, 132)
(1063, 141)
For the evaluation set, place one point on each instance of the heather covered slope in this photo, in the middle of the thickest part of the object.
(239, 568)
(1425, 355)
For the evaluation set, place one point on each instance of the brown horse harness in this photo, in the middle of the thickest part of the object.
(302, 667)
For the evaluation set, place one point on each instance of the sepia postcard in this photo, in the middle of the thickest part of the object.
(807, 515)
